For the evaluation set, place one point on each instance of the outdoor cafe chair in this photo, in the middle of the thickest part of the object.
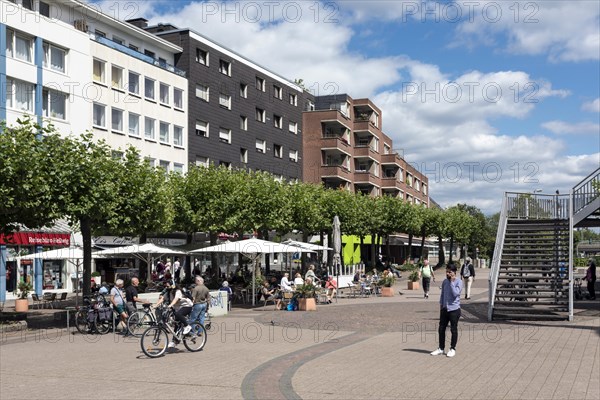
(36, 300)
(49, 298)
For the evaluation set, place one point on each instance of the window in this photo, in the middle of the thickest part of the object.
(99, 33)
(202, 161)
(293, 99)
(178, 168)
(164, 93)
(54, 104)
(164, 132)
(309, 106)
(118, 40)
(116, 77)
(18, 46)
(243, 90)
(261, 145)
(225, 101)
(9, 93)
(149, 88)
(278, 150)
(202, 128)
(133, 47)
(99, 118)
(225, 67)
(260, 84)
(243, 156)
(225, 164)
(178, 98)
(44, 9)
(149, 128)
(164, 165)
(293, 127)
(425, 189)
(278, 121)
(202, 57)
(10, 38)
(149, 53)
(177, 135)
(54, 57)
(117, 120)
(28, 4)
(117, 155)
(134, 83)
(22, 93)
(134, 124)
(225, 135)
(202, 92)
(243, 123)
(99, 71)
(294, 156)
(151, 162)
(260, 115)
(277, 92)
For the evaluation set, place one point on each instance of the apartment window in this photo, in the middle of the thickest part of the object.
(277, 92)
(118, 40)
(225, 101)
(293, 99)
(425, 189)
(149, 53)
(18, 46)
(99, 71)
(117, 119)
(134, 83)
(225, 135)
(294, 156)
(243, 156)
(202, 92)
(202, 128)
(149, 128)
(164, 93)
(116, 77)
(178, 98)
(278, 121)
(243, 90)
(164, 165)
(149, 88)
(177, 135)
(417, 185)
(99, 33)
(20, 95)
(117, 155)
(278, 150)
(28, 4)
(293, 127)
(309, 106)
(260, 84)
(54, 104)
(54, 57)
(225, 164)
(134, 124)
(261, 115)
(225, 67)
(133, 47)
(178, 168)
(44, 9)
(243, 123)
(163, 132)
(261, 145)
(202, 161)
(202, 57)
(99, 117)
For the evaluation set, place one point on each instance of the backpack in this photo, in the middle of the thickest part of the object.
(187, 293)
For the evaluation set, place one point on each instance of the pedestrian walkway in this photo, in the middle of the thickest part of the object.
(353, 349)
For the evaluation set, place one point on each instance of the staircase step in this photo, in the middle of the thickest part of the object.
(529, 316)
(562, 303)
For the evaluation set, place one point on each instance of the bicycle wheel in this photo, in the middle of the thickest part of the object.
(154, 341)
(102, 327)
(81, 322)
(138, 322)
(196, 339)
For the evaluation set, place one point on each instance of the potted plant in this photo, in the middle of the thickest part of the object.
(386, 283)
(307, 297)
(413, 280)
(22, 303)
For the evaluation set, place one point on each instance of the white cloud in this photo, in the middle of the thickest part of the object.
(562, 127)
(592, 106)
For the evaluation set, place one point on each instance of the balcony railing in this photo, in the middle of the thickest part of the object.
(136, 54)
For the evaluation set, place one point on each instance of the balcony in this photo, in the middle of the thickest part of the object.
(336, 171)
(335, 142)
(365, 126)
(365, 152)
(136, 54)
(392, 158)
(365, 177)
(390, 183)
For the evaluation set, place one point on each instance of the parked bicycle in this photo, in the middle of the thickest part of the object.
(155, 339)
(94, 316)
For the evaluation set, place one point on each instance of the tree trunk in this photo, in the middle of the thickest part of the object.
(422, 252)
(410, 239)
(362, 243)
(441, 252)
(267, 256)
(303, 255)
(451, 248)
(86, 234)
(388, 251)
(188, 261)
(214, 259)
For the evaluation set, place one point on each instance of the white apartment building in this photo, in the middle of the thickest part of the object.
(66, 62)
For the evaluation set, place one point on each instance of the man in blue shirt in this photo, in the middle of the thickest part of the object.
(449, 311)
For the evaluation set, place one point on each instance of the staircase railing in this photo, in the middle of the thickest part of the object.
(586, 191)
(498, 247)
(537, 206)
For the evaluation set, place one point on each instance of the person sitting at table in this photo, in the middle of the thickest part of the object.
(311, 274)
(285, 283)
(298, 281)
(271, 294)
(331, 286)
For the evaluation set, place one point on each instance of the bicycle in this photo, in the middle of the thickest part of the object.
(94, 316)
(155, 339)
(140, 320)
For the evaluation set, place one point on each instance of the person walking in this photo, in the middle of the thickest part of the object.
(590, 277)
(467, 272)
(426, 273)
(449, 311)
(118, 302)
(200, 298)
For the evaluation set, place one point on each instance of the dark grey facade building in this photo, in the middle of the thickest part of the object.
(241, 115)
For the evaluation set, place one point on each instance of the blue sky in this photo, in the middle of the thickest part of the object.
(390, 51)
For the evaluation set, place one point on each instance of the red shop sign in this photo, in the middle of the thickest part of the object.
(36, 239)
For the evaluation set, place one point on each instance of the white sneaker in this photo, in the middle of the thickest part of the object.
(451, 353)
(171, 344)
(437, 352)
(187, 329)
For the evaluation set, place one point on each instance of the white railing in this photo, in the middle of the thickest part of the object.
(585, 192)
(537, 206)
(495, 267)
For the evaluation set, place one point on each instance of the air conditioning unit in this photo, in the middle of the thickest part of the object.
(80, 25)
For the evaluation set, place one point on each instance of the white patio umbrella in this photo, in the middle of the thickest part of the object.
(337, 248)
(252, 248)
(307, 246)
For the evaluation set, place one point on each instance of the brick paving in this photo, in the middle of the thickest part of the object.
(353, 349)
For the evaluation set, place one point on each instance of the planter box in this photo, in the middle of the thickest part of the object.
(21, 305)
(413, 285)
(307, 304)
(387, 292)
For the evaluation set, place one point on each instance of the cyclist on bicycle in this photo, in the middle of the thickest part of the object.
(182, 306)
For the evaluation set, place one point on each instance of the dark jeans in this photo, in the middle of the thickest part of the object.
(445, 317)
(426, 282)
(592, 289)
(182, 313)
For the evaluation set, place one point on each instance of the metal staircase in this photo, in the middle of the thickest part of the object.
(532, 274)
